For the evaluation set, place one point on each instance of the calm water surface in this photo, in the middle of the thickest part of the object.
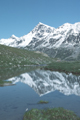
(60, 89)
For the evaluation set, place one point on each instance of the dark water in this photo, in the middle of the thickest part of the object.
(59, 89)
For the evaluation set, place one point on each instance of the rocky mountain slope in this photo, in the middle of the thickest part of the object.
(62, 43)
(44, 82)
(23, 41)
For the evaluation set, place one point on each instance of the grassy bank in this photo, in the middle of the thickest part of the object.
(63, 66)
(11, 57)
(5, 83)
(50, 114)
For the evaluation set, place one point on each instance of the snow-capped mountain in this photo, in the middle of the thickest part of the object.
(44, 82)
(57, 37)
(63, 42)
(23, 41)
(14, 41)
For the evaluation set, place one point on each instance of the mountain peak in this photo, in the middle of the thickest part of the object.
(66, 25)
(13, 36)
(77, 23)
(40, 23)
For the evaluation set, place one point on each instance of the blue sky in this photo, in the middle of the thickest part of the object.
(19, 17)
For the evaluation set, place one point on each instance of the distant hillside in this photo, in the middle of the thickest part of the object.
(10, 56)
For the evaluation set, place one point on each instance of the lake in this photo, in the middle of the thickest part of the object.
(59, 89)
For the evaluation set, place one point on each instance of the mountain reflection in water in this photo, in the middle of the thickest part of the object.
(44, 82)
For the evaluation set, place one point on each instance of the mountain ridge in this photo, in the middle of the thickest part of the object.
(62, 42)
